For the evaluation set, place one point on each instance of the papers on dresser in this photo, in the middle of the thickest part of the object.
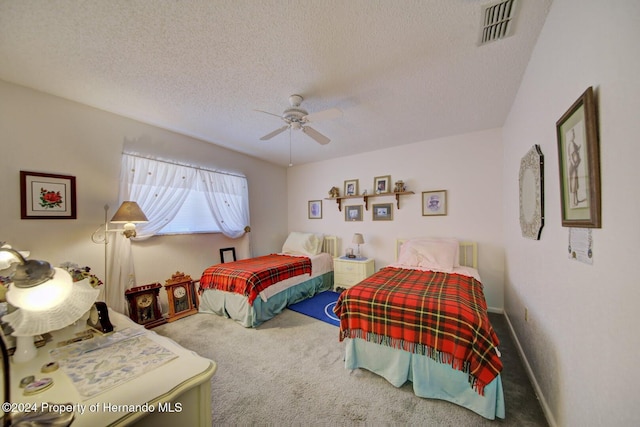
(99, 364)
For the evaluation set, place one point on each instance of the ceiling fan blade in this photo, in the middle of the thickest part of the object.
(331, 113)
(320, 138)
(274, 133)
(266, 112)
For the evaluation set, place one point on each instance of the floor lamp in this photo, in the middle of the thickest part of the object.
(129, 214)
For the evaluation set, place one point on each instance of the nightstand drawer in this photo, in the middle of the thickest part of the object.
(350, 272)
(347, 279)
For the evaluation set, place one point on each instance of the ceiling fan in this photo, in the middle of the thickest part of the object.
(297, 117)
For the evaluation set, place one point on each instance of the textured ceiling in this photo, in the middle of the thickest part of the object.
(401, 71)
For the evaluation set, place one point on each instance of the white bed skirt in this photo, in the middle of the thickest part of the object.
(430, 379)
(237, 307)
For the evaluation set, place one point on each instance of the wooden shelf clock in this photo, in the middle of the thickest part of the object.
(181, 294)
(144, 306)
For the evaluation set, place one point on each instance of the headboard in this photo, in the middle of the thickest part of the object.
(330, 245)
(468, 252)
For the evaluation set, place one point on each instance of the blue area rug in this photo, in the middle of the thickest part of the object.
(319, 307)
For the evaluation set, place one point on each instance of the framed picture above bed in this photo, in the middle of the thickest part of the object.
(351, 187)
(315, 209)
(353, 213)
(579, 161)
(382, 184)
(382, 212)
(434, 203)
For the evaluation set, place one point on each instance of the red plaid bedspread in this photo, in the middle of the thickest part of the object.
(251, 276)
(443, 316)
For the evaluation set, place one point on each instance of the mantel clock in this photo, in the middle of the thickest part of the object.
(181, 294)
(144, 306)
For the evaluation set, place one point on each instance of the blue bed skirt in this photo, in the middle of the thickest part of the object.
(236, 306)
(430, 379)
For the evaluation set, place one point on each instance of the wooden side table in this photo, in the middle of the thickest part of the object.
(350, 271)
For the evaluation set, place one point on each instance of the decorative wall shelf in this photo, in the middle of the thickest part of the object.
(366, 197)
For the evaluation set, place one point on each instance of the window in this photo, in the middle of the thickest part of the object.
(179, 199)
(193, 217)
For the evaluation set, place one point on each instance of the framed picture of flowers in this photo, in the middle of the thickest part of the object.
(47, 196)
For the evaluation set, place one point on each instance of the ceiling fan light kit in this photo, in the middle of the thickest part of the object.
(296, 118)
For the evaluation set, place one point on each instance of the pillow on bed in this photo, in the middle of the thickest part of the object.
(302, 244)
(434, 254)
(449, 240)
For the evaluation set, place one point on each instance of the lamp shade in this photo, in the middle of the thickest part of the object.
(46, 316)
(129, 212)
(358, 239)
(43, 296)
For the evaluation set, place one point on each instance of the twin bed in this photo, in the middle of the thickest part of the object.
(252, 291)
(423, 319)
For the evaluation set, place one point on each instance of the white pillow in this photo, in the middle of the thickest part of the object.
(433, 254)
(452, 241)
(408, 256)
(302, 244)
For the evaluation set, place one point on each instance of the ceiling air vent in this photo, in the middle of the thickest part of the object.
(497, 20)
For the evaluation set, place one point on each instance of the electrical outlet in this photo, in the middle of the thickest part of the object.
(526, 314)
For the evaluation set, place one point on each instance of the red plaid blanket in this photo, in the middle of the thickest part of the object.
(441, 315)
(251, 276)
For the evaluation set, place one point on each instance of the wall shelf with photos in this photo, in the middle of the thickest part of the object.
(366, 197)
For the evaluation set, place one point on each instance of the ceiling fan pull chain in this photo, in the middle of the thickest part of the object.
(290, 162)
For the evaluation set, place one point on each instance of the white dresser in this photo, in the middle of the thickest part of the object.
(350, 271)
(177, 393)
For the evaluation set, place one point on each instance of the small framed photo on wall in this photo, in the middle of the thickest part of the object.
(353, 213)
(382, 212)
(382, 184)
(351, 187)
(434, 203)
(315, 209)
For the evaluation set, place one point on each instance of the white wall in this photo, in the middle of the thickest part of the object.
(581, 340)
(468, 166)
(44, 133)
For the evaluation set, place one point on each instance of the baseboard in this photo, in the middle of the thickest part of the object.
(543, 402)
(495, 310)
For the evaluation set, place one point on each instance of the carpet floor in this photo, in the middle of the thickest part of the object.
(290, 371)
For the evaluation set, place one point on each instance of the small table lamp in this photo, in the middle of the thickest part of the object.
(358, 240)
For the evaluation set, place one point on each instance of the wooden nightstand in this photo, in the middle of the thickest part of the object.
(349, 271)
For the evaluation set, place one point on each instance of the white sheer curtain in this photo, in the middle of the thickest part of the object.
(160, 188)
(228, 199)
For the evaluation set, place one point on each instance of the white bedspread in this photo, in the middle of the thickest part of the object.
(320, 264)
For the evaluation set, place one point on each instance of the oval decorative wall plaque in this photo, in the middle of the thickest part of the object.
(532, 193)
